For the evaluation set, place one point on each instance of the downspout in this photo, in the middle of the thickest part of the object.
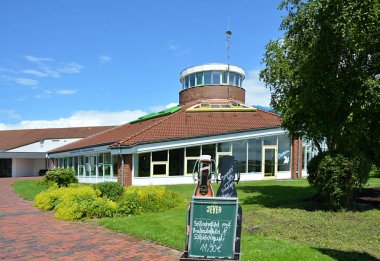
(299, 157)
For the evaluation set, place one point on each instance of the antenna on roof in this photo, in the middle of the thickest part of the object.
(228, 43)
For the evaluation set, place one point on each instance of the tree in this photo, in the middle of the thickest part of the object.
(324, 73)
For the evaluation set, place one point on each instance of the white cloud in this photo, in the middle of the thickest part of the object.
(11, 114)
(34, 72)
(37, 60)
(163, 107)
(70, 68)
(48, 67)
(104, 58)
(26, 81)
(177, 49)
(66, 92)
(256, 93)
(79, 119)
(48, 93)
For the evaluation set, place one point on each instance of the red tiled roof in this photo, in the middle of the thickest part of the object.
(197, 124)
(10, 139)
(179, 125)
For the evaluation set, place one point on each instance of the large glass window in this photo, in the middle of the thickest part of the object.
(270, 140)
(107, 164)
(224, 78)
(254, 155)
(209, 150)
(100, 164)
(186, 82)
(207, 78)
(283, 153)
(192, 80)
(160, 162)
(216, 77)
(115, 165)
(193, 151)
(224, 147)
(81, 166)
(199, 78)
(239, 151)
(231, 80)
(176, 162)
(144, 165)
(160, 155)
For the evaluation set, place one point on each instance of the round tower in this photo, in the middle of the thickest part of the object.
(212, 81)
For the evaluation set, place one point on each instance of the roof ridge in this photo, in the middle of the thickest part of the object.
(269, 112)
(148, 127)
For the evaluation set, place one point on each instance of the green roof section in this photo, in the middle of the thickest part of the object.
(158, 114)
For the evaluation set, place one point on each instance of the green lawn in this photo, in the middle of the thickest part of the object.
(28, 189)
(280, 222)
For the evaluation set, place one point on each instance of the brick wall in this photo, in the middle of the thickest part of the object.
(294, 169)
(127, 170)
(211, 92)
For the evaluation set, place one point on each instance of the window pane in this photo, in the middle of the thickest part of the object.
(283, 153)
(200, 78)
(236, 80)
(254, 155)
(144, 165)
(190, 166)
(224, 78)
(115, 165)
(209, 150)
(186, 82)
(207, 78)
(231, 79)
(192, 80)
(160, 155)
(159, 169)
(193, 151)
(271, 140)
(176, 160)
(107, 158)
(215, 77)
(224, 147)
(239, 151)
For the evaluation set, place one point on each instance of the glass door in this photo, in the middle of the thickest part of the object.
(270, 161)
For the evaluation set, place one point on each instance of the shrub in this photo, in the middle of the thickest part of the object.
(136, 200)
(336, 177)
(75, 202)
(111, 190)
(48, 199)
(63, 177)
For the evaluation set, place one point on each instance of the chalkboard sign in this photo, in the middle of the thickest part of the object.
(213, 227)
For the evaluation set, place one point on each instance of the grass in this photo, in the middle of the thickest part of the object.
(28, 189)
(280, 222)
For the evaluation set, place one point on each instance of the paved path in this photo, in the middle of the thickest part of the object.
(29, 234)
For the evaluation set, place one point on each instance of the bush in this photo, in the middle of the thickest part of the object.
(337, 177)
(136, 200)
(75, 202)
(63, 177)
(111, 190)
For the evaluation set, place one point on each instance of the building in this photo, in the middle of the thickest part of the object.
(24, 152)
(211, 118)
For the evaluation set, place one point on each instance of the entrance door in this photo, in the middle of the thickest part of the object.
(269, 161)
(5, 168)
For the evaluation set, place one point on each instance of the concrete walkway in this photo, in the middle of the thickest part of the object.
(27, 233)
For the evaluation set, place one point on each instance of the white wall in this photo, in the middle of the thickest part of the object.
(44, 145)
(27, 167)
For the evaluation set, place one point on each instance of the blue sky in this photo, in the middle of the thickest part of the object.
(79, 63)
